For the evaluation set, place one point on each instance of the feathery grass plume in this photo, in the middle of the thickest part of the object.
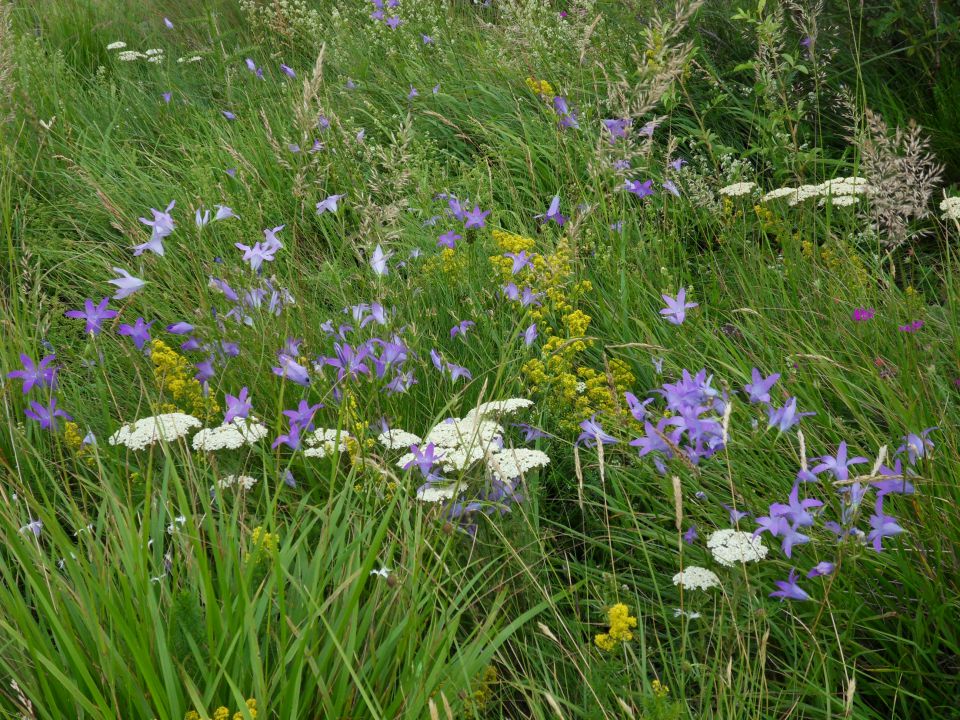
(661, 61)
(900, 170)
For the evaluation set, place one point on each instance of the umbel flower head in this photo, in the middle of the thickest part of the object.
(230, 436)
(149, 430)
(735, 546)
(696, 578)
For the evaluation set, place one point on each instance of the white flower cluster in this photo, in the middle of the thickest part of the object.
(243, 482)
(476, 437)
(154, 55)
(839, 191)
(398, 439)
(436, 493)
(235, 434)
(696, 578)
(499, 408)
(737, 189)
(148, 430)
(735, 546)
(511, 463)
(193, 59)
(951, 208)
(324, 441)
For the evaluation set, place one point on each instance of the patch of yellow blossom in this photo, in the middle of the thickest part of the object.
(848, 263)
(174, 376)
(482, 696)
(74, 440)
(659, 689)
(541, 88)
(569, 387)
(263, 540)
(447, 262)
(621, 625)
(223, 713)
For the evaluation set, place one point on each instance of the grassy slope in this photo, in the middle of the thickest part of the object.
(305, 629)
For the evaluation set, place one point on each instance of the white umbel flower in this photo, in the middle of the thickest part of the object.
(436, 493)
(696, 578)
(464, 432)
(737, 189)
(235, 434)
(398, 439)
(498, 408)
(118, 45)
(243, 482)
(512, 463)
(951, 208)
(735, 546)
(148, 430)
(129, 55)
(325, 441)
(154, 51)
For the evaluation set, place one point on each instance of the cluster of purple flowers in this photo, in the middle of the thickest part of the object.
(379, 13)
(758, 392)
(567, 116)
(792, 521)
(42, 376)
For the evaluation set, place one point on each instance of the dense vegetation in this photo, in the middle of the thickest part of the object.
(684, 276)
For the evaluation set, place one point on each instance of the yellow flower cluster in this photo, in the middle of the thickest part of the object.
(541, 88)
(172, 373)
(74, 440)
(484, 693)
(621, 624)
(569, 387)
(659, 689)
(223, 713)
(448, 262)
(355, 424)
(848, 263)
(263, 540)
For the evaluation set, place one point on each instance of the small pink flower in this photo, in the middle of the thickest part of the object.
(911, 327)
(863, 314)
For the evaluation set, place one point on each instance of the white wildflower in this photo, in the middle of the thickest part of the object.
(118, 45)
(244, 482)
(436, 493)
(383, 572)
(690, 615)
(737, 189)
(195, 58)
(235, 434)
(951, 208)
(464, 433)
(396, 439)
(148, 430)
(498, 408)
(838, 200)
(154, 51)
(155, 59)
(130, 55)
(779, 193)
(732, 546)
(696, 578)
(512, 463)
(324, 441)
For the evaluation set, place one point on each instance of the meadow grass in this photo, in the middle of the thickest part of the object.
(137, 584)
